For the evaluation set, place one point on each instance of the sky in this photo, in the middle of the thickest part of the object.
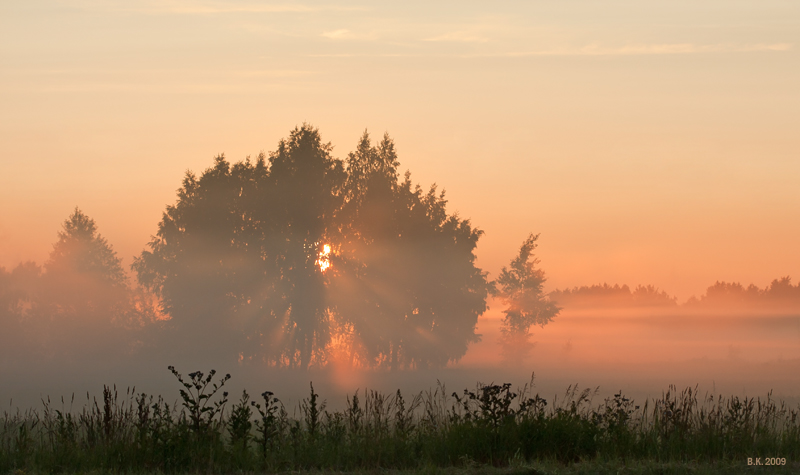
(648, 142)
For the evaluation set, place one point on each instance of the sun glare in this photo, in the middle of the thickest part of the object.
(324, 261)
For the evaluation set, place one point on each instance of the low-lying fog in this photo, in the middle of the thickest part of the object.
(638, 351)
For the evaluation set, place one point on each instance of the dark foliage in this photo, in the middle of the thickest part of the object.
(520, 288)
(490, 425)
(78, 307)
(780, 293)
(296, 259)
(616, 296)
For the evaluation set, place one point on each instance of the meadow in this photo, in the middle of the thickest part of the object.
(490, 428)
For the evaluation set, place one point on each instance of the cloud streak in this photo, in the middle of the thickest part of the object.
(338, 34)
(652, 49)
(185, 7)
(595, 50)
(459, 36)
(345, 34)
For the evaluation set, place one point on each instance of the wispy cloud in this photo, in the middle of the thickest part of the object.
(459, 36)
(172, 88)
(338, 34)
(653, 49)
(769, 47)
(589, 50)
(369, 55)
(272, 73)
(65, 74)
(189, 7)
(345, 34)
(161, 81)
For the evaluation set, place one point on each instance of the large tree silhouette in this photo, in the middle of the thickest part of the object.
(290, 259)
(305, 193)
(210, 262)
(234, 260)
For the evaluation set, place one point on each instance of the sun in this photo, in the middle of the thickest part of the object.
(324, 261)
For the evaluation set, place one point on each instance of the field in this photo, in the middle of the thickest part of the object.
(491, 429)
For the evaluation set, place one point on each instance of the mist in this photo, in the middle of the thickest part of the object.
(640, 352)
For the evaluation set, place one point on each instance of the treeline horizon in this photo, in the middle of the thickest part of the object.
(299, 259)
(779, 293)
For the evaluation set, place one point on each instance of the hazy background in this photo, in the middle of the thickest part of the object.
(648, 142)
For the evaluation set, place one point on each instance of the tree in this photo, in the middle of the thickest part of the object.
(407, 291)
(520, 288)
(81, 250)
(291, 259)
(78, 307)
(306, 190)
(83, 274)
(83, 297)
(234, 260)
(211, 263)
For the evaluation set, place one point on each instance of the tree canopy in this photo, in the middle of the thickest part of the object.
(80, 249)
(407, 290)
(76, 307)
(301, 257)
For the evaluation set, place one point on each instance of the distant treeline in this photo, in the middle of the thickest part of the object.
(612, 296)
(779, 293)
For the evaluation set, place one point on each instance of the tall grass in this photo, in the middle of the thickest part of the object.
(491, 424)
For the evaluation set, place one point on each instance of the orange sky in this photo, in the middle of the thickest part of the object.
(648, 142)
